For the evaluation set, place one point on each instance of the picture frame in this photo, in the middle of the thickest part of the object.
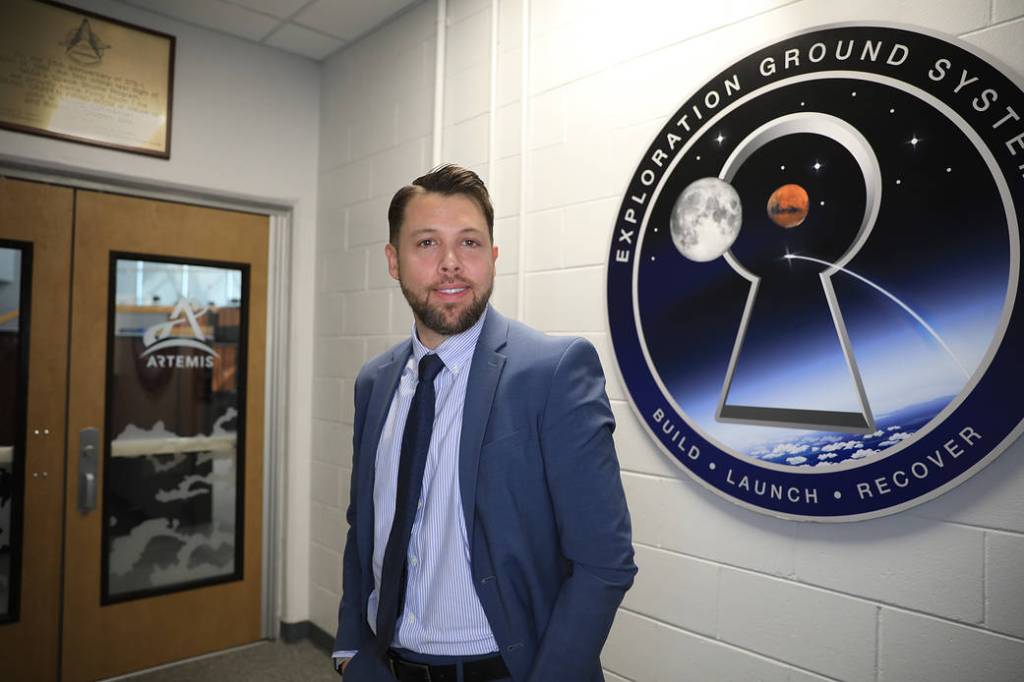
(74, 75)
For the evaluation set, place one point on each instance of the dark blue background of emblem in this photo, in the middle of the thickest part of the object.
(940, 241)
(991, 409)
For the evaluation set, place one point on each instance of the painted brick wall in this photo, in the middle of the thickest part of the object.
(934, 593)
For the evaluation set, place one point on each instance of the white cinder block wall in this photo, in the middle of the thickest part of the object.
(935, 593)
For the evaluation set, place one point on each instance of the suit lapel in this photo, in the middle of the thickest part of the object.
(484, 372)
(376, 413)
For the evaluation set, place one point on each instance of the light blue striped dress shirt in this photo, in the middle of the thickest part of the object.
(442, 613)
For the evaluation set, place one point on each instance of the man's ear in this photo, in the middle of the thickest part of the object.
(392, 255)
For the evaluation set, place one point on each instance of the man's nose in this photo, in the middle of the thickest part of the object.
(450, 261)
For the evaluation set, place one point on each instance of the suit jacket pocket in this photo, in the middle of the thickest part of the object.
(500, 438)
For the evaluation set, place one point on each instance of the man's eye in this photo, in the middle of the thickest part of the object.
(425, 242)
(471, 242)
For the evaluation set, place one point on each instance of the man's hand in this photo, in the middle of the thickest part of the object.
(342, 664)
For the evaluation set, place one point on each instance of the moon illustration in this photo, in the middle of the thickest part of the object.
(787, 206)
(706, 219)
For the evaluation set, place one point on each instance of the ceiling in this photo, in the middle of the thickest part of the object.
(311, 28)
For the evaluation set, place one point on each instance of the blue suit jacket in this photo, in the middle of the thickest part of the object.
(546, 516)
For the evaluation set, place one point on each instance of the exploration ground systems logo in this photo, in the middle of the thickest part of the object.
(813, 280)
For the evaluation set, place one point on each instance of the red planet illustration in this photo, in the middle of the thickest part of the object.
(787, 206)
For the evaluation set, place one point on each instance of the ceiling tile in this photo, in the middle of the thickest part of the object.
(303, 41)
(349, 19)
(278, 8)
(219, 16)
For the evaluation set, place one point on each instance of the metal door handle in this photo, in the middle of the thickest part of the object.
(88, 467)
(88, 502)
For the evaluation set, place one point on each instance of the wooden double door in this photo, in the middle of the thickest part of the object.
(132, 355)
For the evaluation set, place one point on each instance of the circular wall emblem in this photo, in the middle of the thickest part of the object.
(813, 281)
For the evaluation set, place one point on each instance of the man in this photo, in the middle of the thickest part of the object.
(488, 532)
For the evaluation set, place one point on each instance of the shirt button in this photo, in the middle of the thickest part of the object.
(419, 505)
(411, 618)
(413, 561)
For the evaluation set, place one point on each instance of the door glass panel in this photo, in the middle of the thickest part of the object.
(15, 260)
(172, 499)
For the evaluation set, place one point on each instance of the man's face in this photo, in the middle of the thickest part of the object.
(444, 263)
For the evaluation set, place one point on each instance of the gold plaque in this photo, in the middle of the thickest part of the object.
(78, 76)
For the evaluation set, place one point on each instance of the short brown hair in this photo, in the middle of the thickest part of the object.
(447, 179)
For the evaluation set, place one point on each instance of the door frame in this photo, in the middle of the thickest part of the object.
(275, 400)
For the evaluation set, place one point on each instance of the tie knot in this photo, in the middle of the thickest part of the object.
(430, 365)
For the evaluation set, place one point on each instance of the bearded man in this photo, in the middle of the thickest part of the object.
(488, 536)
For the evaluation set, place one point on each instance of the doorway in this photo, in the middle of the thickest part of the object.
(133, 339)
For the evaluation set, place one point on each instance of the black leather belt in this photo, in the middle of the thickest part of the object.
(480, 670)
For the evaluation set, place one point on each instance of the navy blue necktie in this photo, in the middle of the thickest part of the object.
(415, 444)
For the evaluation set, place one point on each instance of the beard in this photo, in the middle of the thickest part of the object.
(434, 319)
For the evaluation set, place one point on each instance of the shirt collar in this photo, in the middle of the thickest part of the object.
(455, 351)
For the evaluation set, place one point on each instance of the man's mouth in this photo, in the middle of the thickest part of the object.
(451, 293)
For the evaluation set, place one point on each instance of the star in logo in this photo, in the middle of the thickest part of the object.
(162, 335)
(83, 45)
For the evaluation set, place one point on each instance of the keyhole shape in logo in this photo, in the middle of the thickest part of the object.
(787, 304)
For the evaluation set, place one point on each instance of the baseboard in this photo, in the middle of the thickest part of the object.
(296, 632)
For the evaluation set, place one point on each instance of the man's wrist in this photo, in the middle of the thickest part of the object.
(341, 660)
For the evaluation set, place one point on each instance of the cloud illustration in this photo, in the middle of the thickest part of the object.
(827, 439)
(843, 445)
(896, 438)
(780, 449)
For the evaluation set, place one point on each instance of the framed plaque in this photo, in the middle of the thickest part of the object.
(78, 76)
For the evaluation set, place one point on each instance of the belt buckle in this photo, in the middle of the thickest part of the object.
(395, 661)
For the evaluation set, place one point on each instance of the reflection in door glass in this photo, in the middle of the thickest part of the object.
(173, 471)
(14, 278)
